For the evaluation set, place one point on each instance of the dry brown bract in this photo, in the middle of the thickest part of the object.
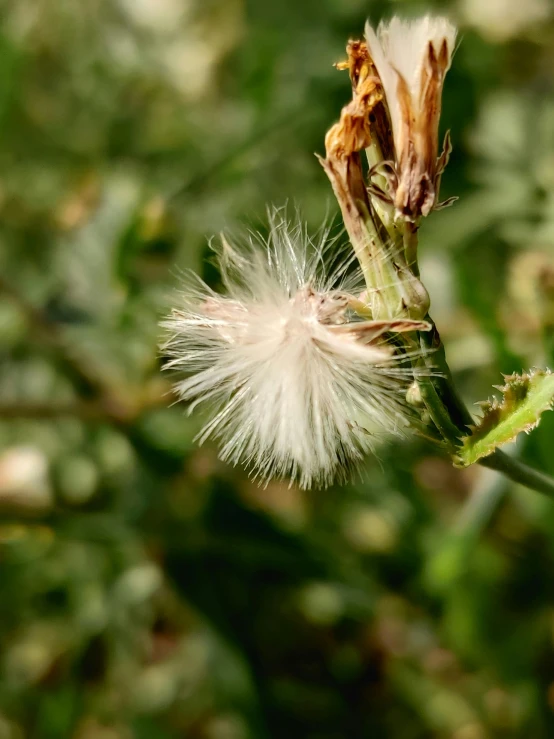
(352, 133)
(349, 136)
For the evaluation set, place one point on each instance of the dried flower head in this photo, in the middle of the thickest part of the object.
(412, 59)
(297, 383)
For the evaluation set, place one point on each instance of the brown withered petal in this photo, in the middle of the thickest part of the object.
(412, 59)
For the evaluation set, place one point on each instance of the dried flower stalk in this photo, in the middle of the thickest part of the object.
(301, 366)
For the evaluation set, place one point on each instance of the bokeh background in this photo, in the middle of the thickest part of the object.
(147, 591)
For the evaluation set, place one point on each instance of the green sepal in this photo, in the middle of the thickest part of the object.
(525, 397)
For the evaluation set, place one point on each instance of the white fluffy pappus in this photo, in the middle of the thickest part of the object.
(296, 385)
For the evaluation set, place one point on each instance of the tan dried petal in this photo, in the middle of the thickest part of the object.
(412, 60)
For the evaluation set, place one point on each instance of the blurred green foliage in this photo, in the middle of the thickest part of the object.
(147, 590)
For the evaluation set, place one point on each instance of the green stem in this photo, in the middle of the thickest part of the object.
(519, 472)
(440, 377)
(446, 407)
(410, 246)
(449, 414)
(393, 290)
(451, 417)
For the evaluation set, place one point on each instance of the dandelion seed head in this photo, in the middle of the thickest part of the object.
(294, 385)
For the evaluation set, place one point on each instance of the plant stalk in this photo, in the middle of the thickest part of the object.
(519, 472)
(385, 242)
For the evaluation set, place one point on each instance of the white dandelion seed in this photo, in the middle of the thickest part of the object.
(412, 59)
(295, 386)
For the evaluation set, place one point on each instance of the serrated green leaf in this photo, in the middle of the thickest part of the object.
(525, 397)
